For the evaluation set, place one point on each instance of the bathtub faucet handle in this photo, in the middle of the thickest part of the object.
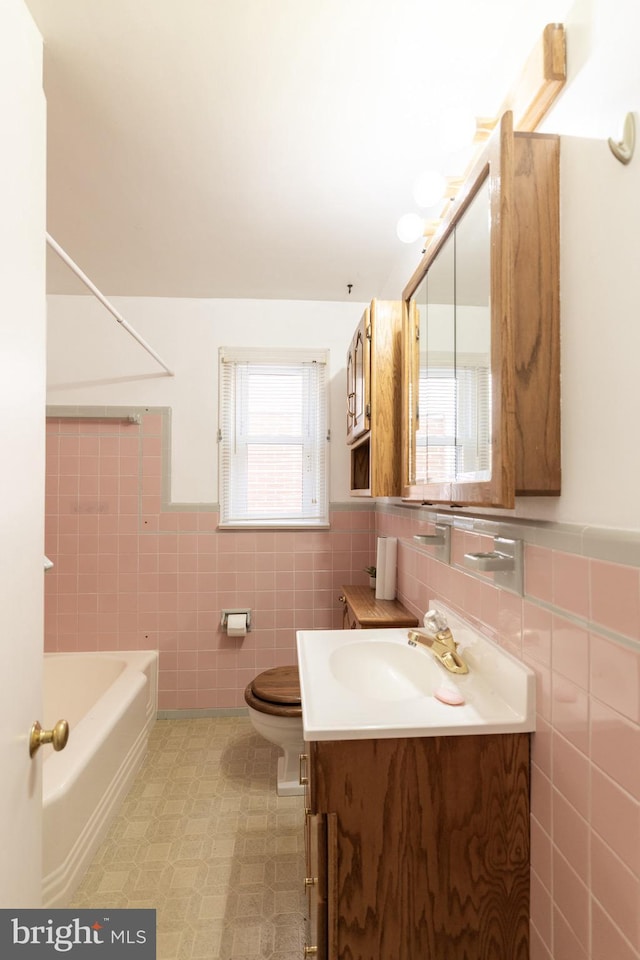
(57, 737)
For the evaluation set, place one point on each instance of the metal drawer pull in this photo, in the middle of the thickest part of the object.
(303, 777)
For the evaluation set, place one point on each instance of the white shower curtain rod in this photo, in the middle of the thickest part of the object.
(103, 300)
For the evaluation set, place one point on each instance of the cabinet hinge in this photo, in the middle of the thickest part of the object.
(417, 333)
(219, 435)
(368, 333)
(367, 411)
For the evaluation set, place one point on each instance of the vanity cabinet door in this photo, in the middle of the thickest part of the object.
(316, 886)
(427, 846)
(320, 842)
(349, 619)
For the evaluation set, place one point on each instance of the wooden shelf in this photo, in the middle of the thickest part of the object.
(363, 610)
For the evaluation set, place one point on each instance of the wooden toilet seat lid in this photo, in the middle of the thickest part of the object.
(278, 685)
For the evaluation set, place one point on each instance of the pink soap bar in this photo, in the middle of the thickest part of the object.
(452, 697)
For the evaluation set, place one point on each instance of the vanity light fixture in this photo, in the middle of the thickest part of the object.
(457, 130)
(541, 79)
(410, 227)
(429, 188)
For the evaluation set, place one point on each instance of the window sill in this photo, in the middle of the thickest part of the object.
(272, 525)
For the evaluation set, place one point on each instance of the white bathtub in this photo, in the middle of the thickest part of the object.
(110, 701)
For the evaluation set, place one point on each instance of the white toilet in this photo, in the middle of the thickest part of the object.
(275, 710)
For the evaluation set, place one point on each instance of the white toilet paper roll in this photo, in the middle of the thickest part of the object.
(381, 553)
(386, 568)
(237, 625)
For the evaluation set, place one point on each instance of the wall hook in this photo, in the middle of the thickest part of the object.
(623, 149)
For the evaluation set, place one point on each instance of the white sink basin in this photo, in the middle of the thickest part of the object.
(359, 684)
(382, 669)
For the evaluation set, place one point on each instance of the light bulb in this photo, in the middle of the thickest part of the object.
(429, 188)
(458, 129)
(409, 227)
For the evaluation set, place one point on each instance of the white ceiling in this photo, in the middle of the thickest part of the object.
(258, 148)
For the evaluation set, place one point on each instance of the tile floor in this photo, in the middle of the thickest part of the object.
(203, 838)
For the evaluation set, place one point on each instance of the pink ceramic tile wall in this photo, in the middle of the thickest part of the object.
(585, 813)
(129, 575)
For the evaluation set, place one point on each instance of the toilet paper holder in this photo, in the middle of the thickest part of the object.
(224, 617)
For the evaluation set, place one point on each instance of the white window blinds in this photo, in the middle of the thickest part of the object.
(273, 437)
(454, 439)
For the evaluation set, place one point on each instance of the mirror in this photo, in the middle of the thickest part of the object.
(452, 369)
(436, 397)
(481, 392)
(473, 340)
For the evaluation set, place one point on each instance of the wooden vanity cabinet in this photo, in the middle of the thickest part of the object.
(362, 610)
(374, 364)
(425, 847)
(481, 368)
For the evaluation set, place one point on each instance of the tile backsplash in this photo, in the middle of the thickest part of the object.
(578, 627)
(131, 571)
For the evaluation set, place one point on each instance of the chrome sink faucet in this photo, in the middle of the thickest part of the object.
(439, 640)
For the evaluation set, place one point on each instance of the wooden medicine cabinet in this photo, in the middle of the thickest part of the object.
(374, 364)
(481, 367)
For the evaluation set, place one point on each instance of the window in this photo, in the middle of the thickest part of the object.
(273, 437)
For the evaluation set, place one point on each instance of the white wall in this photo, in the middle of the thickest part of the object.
(22, 398)
(600, 291)
(92, 360)
(599, 275)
